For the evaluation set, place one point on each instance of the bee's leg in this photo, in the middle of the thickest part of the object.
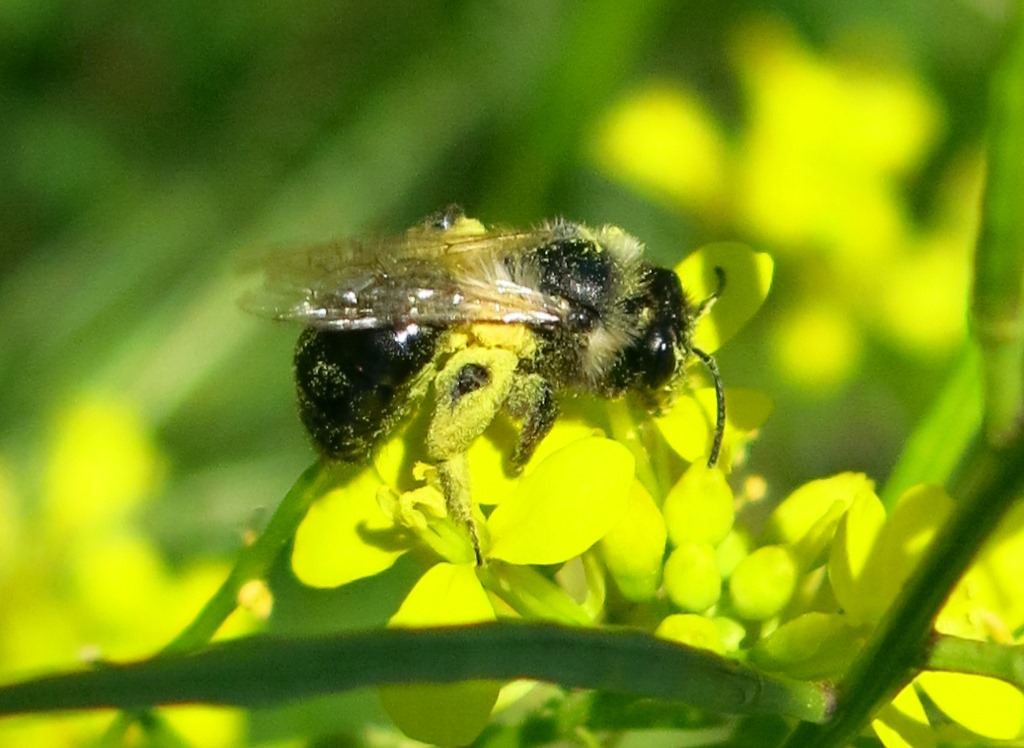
(470, 390)
(532, 400)
(454, 476)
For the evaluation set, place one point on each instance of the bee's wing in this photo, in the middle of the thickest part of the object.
(426, 277)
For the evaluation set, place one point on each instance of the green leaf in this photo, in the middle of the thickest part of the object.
(939, 441)
(451, 714)
(263, 670)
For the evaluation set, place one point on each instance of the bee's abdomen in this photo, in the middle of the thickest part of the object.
(353, 384)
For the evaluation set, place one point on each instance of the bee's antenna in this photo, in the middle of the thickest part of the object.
(709, 362)
(705, 306)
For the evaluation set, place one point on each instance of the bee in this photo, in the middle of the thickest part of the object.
(490, 320)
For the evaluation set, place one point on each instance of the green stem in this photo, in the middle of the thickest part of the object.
(265, 670)
(254, 561)
(1002, 661)
(531, 594)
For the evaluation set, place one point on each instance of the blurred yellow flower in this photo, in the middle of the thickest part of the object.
(10, 524)
(821, 167)
(102, 464)
(817, 346)
(827, 145)
(92, 585)
(664, 142)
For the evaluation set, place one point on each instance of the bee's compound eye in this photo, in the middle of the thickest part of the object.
(581, 318)
(659, 350)
(470, 378)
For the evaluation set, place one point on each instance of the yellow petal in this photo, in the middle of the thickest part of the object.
(489, 456)
(849, 560)
(568, 503)
(799, 511)
(688, 426)
(748, 277)
(999, 569)
(207, 726)
(448, 594)
(903, 723)
(883, 552)
(346, 536)
(917, 516)
(983, 705)
(395, 458)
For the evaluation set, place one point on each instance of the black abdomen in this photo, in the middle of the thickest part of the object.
(353, 384)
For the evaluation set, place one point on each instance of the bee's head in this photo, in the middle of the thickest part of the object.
(664, 344)
(653, 362)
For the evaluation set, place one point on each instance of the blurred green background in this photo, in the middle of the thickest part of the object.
(146, 424)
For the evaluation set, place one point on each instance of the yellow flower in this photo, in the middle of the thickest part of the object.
(91, 584)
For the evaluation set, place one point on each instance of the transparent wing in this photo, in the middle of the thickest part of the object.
(427, 276)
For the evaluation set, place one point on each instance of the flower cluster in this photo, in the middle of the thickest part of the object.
(818, 173)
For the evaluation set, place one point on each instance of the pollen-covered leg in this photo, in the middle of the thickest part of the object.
(454, 476)
(532, 400)
(469, 391)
